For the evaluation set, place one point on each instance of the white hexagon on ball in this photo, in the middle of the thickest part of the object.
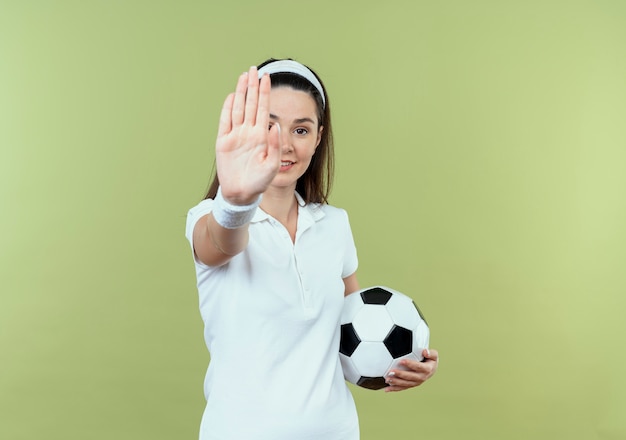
(370, 358)
(372, 322)
(401, 309)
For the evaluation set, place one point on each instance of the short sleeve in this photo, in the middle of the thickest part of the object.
(351, 261)
(195, 214)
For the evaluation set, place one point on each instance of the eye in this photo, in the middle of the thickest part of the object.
(301, 131)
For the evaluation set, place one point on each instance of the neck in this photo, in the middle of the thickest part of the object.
(281, 204)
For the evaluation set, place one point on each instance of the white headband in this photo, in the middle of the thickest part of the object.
(290, 66)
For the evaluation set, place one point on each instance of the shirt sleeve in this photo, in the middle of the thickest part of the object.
(351, 261)
(194, 214)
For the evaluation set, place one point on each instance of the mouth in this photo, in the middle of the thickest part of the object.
(285, 164)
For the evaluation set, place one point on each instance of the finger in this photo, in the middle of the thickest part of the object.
(399, 385)
(263, 108)
(395, 383)
(405, 379)
(252, 96)
(430, 354)
(393, 389)
(273, 146)
(240, 100)
(430, 361)
(225, 124)
(408, 366)
(413, 371)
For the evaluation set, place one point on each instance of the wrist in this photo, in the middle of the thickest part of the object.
(238, 198)
(233, 216)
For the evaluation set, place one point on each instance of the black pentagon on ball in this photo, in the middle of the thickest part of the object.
(372, 383)
(376, 295)
(349, 339)
(399, 341)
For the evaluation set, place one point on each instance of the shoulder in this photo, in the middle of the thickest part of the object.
(320, 210)
(327, 213)
(334, 211)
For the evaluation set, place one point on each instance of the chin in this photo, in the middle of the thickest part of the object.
(279, 183)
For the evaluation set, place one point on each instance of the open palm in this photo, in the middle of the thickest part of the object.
(247, 153)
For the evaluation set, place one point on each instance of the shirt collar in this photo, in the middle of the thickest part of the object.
(313, 211)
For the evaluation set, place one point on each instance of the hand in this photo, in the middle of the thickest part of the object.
(416, 374)
(247, 154)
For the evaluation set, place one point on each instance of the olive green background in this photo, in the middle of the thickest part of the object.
(481, 154)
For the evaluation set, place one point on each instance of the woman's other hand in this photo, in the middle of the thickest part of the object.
(416, 374)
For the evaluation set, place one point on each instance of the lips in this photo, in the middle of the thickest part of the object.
(285, 165)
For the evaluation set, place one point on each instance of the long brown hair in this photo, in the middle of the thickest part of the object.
(315, 184)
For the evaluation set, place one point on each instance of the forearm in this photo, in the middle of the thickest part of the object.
(223, 233)
(227, 241)
(351, 284)
(215, 245)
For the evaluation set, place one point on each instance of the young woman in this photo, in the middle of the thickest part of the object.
(273, 263)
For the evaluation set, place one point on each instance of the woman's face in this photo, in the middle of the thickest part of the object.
(300, 134)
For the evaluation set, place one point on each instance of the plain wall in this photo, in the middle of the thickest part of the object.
(481, 155)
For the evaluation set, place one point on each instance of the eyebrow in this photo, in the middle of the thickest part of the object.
(295, 121)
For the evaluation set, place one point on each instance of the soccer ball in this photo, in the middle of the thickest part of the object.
(379, 327)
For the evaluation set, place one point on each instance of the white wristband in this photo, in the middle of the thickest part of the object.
(232, 216)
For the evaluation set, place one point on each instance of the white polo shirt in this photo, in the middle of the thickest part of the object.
(271, 317)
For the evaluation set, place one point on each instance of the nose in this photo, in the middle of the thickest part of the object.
(285, 141)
